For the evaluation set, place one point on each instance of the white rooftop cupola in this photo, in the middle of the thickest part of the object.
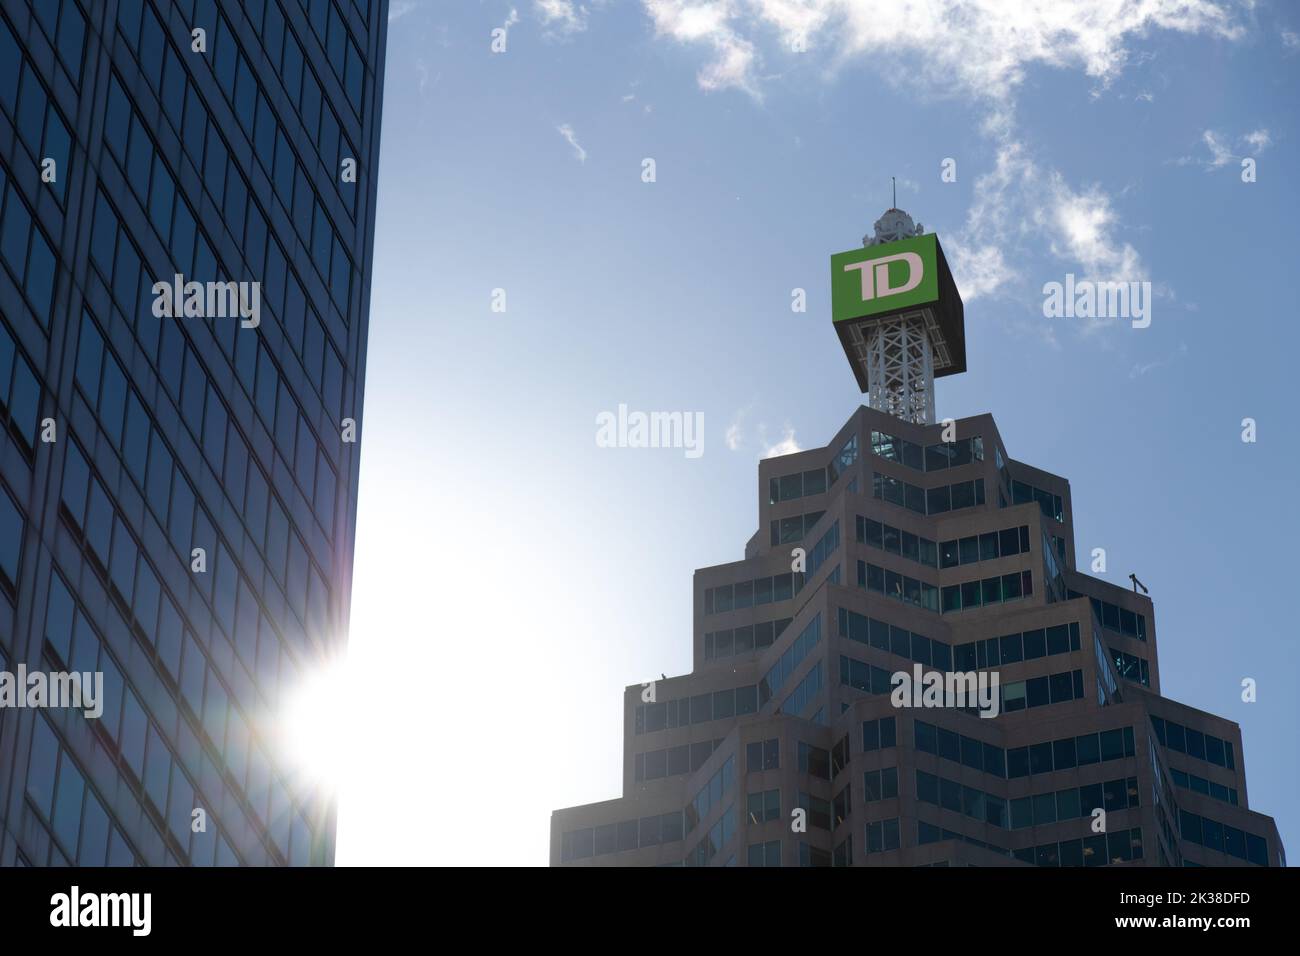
(894, 224)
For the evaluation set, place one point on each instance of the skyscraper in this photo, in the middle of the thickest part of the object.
(186, 232)
(827, 720)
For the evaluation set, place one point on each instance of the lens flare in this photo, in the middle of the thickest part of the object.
(314, 731)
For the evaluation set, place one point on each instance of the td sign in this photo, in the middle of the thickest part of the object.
(877, 284)
(885, 278)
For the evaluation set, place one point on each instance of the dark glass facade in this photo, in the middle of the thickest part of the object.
(786, 746)
(178, 495)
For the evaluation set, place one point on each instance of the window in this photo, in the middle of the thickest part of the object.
(11, 541)
(882, 836)
(763, 807)
(763, 755)
(765, 854)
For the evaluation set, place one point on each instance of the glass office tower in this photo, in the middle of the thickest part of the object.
(178, 494)
(921, 553)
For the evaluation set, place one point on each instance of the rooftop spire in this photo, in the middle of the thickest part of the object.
(893, 224)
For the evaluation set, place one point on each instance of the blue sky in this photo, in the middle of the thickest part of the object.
(512, 577)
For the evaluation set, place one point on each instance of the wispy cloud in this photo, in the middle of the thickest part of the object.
(1018, 206)
(561, 16)
(733, 59)
(980, 47)
(977, 49)
(786, 446)
(735, 437)
(1142, 368)
(400, 8)
(565, 130)
(1221, 152)
(1291, 39)
(1259, 140)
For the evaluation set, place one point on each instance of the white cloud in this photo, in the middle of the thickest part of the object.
(565, 130)
(733, 57)
(1221, 151)
(1220, 154)
(1259, 140)
(1291, 39)
(400, 9)
(1081, 227)
(980, 47)
(735, 436)
(1020, 208)
(786, 446)
(562, 16)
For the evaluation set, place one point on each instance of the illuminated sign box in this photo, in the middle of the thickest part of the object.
(908, 278)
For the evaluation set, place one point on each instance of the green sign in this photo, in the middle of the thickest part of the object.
(884, 278)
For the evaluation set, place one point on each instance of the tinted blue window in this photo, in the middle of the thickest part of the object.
(13, 238)
(67, 805)
(158, 764)
(90, 353)
(139, 157)
(31, 110)
(117, 119)
(158, 488)
(40, 771)
(11, 62)
(76, 480)
(99, 521)
(245, 95)
(126, 276)
(11, 539)
(162, 194)
(58, 617)
(180, 524)
(24, 399)
(196, 123)
(94, 833)
(103, 238)
(183, 235)
(173, 88)
(147, 598)
(122, 570)
(6, 365)
(112, 402)
(355, 76)
(135, 444)
(214, 431)
(56, 148)
(151, 47)
(224, 58)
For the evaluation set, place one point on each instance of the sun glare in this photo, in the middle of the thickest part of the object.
(314, 731)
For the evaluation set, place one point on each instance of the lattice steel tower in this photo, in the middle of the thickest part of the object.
(899, 335)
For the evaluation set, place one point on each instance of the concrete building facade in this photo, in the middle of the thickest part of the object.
(931, 549)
